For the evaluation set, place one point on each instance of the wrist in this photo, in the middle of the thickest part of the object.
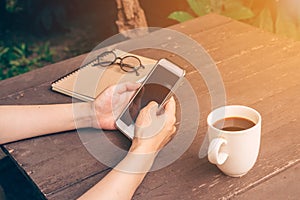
(136, 163)
(83, 114)
(144, 146)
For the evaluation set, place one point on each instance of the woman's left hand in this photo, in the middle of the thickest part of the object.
(110, 103)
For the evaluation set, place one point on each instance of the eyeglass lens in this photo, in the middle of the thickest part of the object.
(127, 63)
(130, 63)
(107, 58)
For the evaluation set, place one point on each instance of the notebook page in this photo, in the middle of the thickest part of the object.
(89, 81)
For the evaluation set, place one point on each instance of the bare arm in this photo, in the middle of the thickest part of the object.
(124, 179)
(119, 184)
(20, 122)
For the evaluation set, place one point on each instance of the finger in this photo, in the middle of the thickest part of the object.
(170, 107)
(129, 96)
(150, 107)
(144, 118)
(152, 104)
(127, 87)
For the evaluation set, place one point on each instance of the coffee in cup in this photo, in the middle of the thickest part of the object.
(234, 138)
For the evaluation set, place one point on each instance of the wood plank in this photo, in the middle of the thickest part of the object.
(190, 29)
(55, 71)
(285, 98)
(199, 178)
(282, 186)
(203, 178)
(259, 70)
(53, 162)
(276, 82)
(278, 77)
(49, 150)
(77, 189)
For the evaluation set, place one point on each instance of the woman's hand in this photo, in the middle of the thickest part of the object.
(154, 131)
(110, 103)
(124, 179)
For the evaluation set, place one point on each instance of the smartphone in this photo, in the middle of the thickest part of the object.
(158, 86)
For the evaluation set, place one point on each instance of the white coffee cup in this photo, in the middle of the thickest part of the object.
(234, 152)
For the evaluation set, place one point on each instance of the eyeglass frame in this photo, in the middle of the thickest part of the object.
(134, 69)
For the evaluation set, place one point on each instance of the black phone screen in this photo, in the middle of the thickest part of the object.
(156, 88)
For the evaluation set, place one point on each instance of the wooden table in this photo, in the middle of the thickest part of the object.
(259, 70)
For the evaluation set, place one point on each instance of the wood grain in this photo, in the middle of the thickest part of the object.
(258, 69)
(283, 186)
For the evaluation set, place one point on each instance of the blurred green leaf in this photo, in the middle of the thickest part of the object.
(3, 50)
(180, 16)
(216, 5)
(264, 20)
(23, 47)
(200, 7)
(12, 6)
(236, 10)
(22, 58)
(284, 25)
(15, 63)
(20, 51)
(249, 3)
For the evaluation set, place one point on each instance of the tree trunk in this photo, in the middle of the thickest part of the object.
(130, 16)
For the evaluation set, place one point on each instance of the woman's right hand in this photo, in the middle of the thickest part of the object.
(154, 131)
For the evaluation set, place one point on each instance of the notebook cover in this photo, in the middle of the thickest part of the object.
(87, 82)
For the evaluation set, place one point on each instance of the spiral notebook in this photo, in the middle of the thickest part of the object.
(87, 82)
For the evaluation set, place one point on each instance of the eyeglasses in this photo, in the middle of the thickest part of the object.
(127, 63)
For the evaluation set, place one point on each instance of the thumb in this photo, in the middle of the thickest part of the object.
(127, 87)
(145, 116)
(152, 104)
(170, 107)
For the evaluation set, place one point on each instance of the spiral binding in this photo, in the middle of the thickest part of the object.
(93, 61)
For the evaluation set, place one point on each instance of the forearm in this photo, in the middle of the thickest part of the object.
(123, 180)
(20, 122)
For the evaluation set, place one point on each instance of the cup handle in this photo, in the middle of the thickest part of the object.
(214, 156)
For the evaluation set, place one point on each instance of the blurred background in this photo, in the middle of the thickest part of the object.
(34, 33)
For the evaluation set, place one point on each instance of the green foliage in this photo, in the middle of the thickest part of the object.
(281, 17)
(236, 10)
(200, 7)
(231, 8)
(285, 25)
(180, 16)
(12, 6)
(264, 20)
(18, 59)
